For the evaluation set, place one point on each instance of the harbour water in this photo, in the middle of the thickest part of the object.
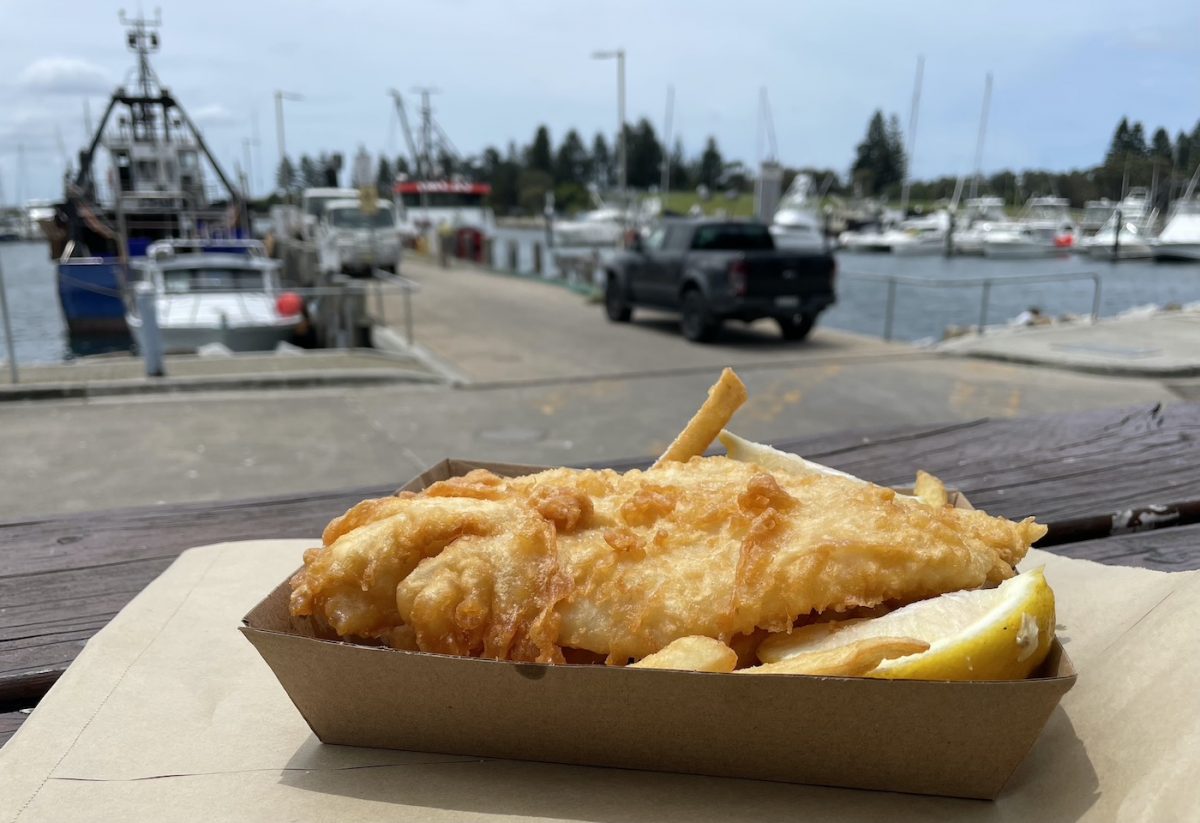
(921, 313)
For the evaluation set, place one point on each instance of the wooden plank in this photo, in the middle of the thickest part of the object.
(1169, 550)
(1057, 468)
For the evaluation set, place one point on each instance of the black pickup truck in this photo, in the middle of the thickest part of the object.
(715, 270)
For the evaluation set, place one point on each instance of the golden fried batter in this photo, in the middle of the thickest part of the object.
(623, 564)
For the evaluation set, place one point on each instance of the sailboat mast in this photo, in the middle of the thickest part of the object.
(666, 160)
(983, 119)
(910, 148)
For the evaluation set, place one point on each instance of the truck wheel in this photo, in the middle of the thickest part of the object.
(796, 328)
(696, 321)
(615, 306)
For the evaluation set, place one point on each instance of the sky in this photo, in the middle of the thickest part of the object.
(1064, 73)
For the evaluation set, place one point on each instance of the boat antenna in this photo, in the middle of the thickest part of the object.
(983, 119)
(910, 149)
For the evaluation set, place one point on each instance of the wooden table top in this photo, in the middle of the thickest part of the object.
(1089, 476)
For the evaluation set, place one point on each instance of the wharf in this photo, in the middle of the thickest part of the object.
(1160, 345)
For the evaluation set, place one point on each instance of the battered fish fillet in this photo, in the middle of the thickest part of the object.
(623, 564)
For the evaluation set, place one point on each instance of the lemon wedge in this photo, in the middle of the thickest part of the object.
(990, 634)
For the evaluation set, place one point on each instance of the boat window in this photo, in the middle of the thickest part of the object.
(182, 281)
(733, 237)
(355, 219)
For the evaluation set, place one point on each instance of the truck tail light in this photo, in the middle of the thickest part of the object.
(738, 277)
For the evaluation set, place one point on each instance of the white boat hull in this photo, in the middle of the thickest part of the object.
(1125, 251)
(1177, 251)
(1018, 250)
(186, 340)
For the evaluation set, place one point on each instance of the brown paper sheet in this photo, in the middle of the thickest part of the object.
(168, 714)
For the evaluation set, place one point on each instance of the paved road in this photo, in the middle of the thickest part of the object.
(534, 352)
(500, 328)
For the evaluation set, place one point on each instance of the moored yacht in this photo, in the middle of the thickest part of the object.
(796, 224)
(1180, 238)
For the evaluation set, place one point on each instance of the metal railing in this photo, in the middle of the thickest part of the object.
(407, 288)
(985, 284)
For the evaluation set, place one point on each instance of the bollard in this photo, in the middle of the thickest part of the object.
(537, 258)
(151, 339)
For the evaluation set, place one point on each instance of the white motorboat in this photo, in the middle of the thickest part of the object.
(600, 227)
(215, 292)
(920, 235)
(1044, 228)
(1131, 241)
(1128, 242)
(1180, 238)
(796, 224)
(981, 216)
(1096, 214)
(1017, 240)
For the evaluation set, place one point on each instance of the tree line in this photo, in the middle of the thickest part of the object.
(521, 176)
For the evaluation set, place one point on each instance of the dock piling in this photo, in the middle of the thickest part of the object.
(151, 338)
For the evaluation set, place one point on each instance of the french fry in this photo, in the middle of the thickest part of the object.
(694, 654)
(724, 398)
(852, 660)
(928, 489)
(782, 645)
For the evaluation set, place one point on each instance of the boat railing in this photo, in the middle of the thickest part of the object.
(893, 281)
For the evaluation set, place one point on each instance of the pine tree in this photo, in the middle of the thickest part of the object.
(601, 162)
(571, 162)
(1137, 141)
(538, 155)
(1160, 146)
(1119, 147)
(879, 158)
(680, 178)
(645, 155)
(285, 176)
(708, 172)
(311, 175)
(384, 179)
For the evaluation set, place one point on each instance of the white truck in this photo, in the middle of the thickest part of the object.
(351, 241)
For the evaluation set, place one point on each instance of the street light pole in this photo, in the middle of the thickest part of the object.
(619, 54)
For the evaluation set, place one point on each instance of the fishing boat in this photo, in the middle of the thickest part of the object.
(206, 292)
(154, 188)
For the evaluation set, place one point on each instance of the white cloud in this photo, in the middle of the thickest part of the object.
(213, 114)
(64, 75)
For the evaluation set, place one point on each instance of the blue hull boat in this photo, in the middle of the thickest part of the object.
(89, 290)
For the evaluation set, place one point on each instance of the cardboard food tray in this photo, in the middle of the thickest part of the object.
(927, 737)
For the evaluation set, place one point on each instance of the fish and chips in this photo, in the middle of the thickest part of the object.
(689, 564)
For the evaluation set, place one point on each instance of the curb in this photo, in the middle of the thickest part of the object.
(387, 339)
(1105, 369)
(177, 385)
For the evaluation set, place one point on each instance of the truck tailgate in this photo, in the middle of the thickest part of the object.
(772, 274)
